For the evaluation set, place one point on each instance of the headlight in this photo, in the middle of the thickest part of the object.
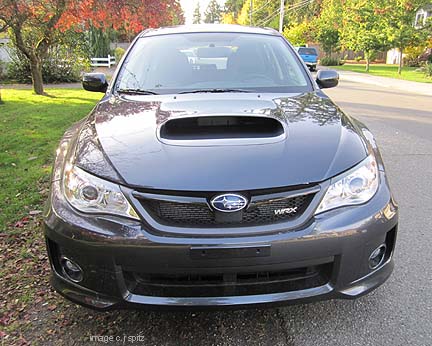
(357, 186)
(90, 194)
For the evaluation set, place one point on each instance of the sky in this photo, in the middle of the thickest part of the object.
(189, 6)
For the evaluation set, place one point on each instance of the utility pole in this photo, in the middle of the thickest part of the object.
(282, 14)
(250, 12)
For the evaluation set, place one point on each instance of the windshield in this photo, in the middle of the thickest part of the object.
(223, 61)
(307, 51)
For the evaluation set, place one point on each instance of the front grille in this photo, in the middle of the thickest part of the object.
(227, 284)
(201, 215)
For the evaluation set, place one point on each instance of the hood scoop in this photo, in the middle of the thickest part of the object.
(221, 130)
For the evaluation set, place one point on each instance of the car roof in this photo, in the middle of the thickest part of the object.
(198, 28)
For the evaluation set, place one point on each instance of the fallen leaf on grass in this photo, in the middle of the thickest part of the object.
(35, 212)
(21, 223)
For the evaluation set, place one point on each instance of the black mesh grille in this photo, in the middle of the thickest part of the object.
(232, 284)
(199, 214)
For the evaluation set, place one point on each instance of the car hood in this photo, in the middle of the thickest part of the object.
(319, 143)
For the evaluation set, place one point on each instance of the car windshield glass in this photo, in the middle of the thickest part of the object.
(220, 61)
(307, 51)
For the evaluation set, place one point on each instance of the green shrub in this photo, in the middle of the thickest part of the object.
(358, 58)
(329, 61)
(118, 53)
(412, 56)
(99, 42)
(428, 69)
(60, 66)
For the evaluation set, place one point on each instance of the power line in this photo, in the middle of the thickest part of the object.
(301, 4)
(273, 15)
(269, 17)
(261, 7)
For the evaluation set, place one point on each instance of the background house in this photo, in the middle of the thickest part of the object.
(422, 15)
(4, 50)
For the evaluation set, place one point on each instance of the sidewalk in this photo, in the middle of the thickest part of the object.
(108, 72)
(46, 86)
(385, 82)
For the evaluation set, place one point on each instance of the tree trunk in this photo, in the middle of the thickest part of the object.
(36, 72)
(367, 63)
(400, 61)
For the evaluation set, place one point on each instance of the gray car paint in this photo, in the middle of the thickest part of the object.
(127, 131)
(111, 141)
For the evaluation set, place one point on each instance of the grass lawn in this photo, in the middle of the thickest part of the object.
(30, 128)
(408, 73)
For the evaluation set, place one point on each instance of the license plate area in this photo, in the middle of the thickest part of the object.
(224, 252)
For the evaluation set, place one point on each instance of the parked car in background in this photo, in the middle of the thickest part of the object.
(309, 56)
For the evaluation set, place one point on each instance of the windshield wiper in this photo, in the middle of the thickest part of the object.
(136, 92)
(215, 90)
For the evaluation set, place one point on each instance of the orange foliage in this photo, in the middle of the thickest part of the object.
(130, 16)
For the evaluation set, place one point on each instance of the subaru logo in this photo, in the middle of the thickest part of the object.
(229, 203)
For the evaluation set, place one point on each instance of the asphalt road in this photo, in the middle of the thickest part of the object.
(398, 313)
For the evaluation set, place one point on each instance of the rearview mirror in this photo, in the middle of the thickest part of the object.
(327, 78)
(95, 82)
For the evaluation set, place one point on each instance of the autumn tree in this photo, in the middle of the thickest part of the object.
(243, 15)
(175, 14)
(328, 25)
(299, 34)
(266, 12)
(37, 25)
(364, 27)
(33, 27)
(197, 14)
(232, 9)
(400, 28)
(213, 13)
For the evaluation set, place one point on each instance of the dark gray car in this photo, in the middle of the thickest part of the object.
(215, 172)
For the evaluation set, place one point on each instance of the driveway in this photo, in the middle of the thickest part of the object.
(387, 83)
(398, 313)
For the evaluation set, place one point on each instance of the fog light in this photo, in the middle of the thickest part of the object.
(377, 256)
(71, 270)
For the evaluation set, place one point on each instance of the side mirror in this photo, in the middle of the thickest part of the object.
(95, 82)
(327, 78)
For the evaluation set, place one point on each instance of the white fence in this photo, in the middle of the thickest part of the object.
(4, 50)
(103, 62)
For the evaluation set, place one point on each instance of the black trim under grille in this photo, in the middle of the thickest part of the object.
(199, 214)
(227, 284)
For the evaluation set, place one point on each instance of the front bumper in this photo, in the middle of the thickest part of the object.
(311, 64)
(108, 249)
